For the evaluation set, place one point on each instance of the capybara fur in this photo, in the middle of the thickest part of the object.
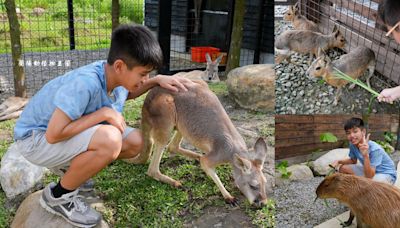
(376, 204)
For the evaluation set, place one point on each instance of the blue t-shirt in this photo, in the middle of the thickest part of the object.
(379, 159)
(77, 93)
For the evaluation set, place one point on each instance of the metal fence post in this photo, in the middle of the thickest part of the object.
(164, 33)
(71, 24)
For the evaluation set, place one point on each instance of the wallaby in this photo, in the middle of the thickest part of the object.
(198, 116)
(299, 22)
(354, 64)
(209, 75)
(304, 42)
(376, 204)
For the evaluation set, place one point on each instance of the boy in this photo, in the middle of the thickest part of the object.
(75, 120)
(389, 12)
(375, 162)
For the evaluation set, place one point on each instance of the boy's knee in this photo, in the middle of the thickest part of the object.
(109, 140)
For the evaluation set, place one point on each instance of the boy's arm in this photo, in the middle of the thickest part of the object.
(345, 161)
(61, 127)
(173, 83)
(369, 171)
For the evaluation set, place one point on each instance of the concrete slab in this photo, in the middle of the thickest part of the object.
(335, 222)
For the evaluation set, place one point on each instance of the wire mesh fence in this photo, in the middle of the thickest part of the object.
(58, 36)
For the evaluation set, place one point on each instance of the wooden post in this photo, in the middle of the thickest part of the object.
(236, 37)
(115, 11)
(16, 49)
(164, 33)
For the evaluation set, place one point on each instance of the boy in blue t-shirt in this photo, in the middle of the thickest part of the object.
(375, 163)
(75, 120)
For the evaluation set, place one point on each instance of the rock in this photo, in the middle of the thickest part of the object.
(30, 214)
(321, 165)
(300, 172)
(17, 175)
(253, 87)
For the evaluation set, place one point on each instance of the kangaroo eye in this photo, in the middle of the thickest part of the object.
(254, 187)
(318, 68)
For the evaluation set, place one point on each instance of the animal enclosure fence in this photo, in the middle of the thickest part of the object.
(58, 36)
(299, 135)
(358, 20)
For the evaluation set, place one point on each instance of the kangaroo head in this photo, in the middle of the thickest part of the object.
(248, 173)
(318, 67)
(211, 72)
(340, 41)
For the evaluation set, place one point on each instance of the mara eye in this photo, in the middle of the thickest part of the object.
(318, 68)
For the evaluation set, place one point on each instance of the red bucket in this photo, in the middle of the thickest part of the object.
(199, 53)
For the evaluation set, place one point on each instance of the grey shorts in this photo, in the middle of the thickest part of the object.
(38, 151)
(358, 170)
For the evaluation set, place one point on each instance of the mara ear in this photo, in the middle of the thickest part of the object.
(260, 149)
(335, 28)
(242, 163)
(296, 6)
(208, 58)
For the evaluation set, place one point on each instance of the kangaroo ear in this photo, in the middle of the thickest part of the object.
(242, 163)
(218, 60)
(260, 148)
(296, 6)
(208, 58)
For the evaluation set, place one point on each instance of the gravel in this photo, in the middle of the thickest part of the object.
(295, 206)
(298, 94)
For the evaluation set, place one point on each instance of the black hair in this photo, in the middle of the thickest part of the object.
(354, 122)
(136, 46)
(389, 12)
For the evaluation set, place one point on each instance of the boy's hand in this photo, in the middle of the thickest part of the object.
(114, 118)
(174, 83)
(363, 146)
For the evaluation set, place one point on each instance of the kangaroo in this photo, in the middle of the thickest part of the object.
(299, 22)
(209, 75)
(375, 204)
(304, 42)
(198, 116)
(354, 64)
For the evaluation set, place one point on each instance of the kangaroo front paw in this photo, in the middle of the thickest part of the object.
(177, 184)
(232, 201)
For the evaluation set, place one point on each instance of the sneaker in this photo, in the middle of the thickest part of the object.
(71, 207)
(85, 187)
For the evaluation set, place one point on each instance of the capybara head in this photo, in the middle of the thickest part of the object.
(332, 186)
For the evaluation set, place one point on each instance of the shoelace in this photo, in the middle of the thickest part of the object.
(79, 205)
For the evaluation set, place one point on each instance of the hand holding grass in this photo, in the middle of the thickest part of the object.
(389, 95)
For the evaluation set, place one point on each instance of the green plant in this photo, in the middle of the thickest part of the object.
(328, 137)
(282, 169)
(389, 137)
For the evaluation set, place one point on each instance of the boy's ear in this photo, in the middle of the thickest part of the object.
(118, 65)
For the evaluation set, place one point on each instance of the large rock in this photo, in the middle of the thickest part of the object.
(253, 87)
(321, 165)
(300, 172)
(17, 175)
(31, 215)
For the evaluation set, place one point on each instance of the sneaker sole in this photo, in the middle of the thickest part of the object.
(49, 209)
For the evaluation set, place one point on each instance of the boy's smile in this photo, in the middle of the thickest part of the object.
(355, 135)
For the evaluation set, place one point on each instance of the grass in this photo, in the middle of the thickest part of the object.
(49, 32)
(133, 199)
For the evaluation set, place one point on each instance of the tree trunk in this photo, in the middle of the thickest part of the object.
(236, 37)
(115, 14)
(16, 49)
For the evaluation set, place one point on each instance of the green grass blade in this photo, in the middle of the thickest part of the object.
(346, 77)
